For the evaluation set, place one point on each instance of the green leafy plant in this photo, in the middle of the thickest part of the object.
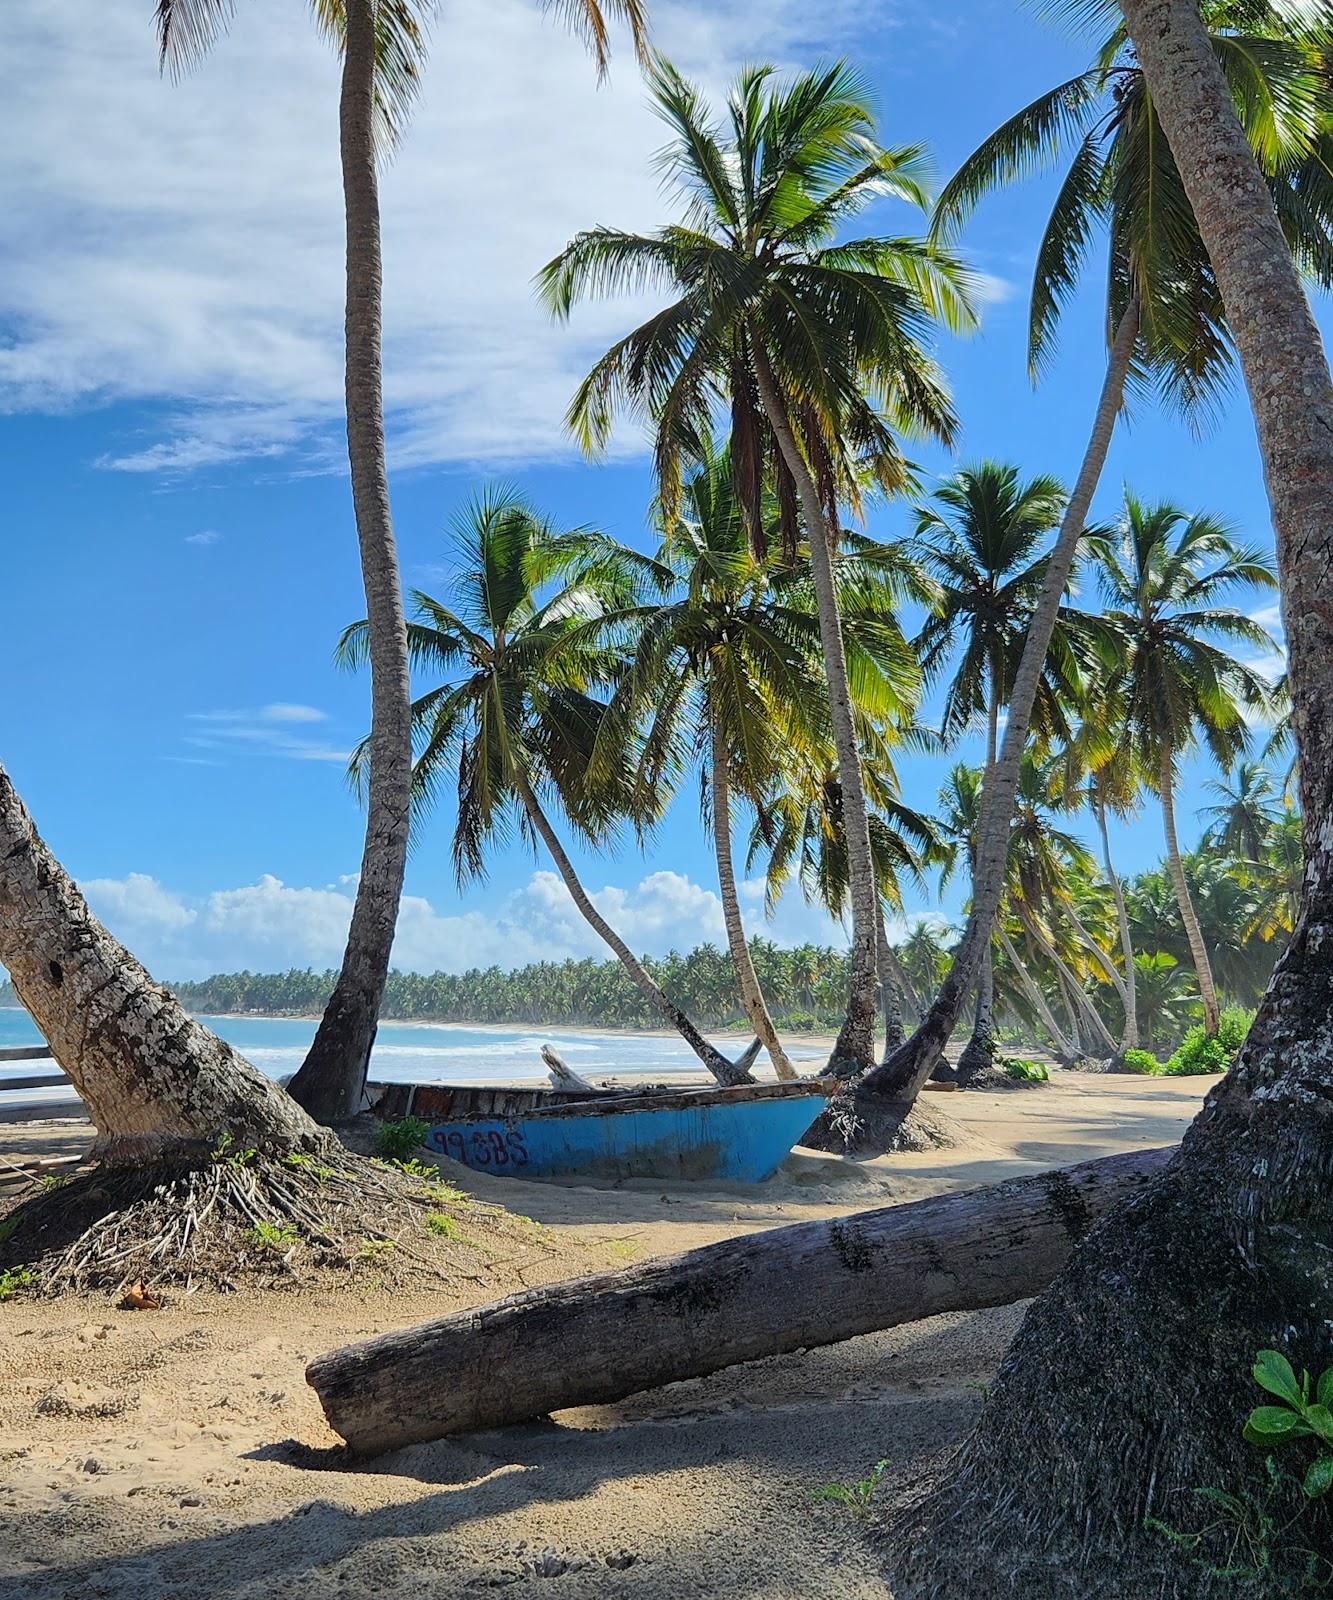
(1297, 1417)
(1022, 1071)
(298, 1161)
(374, 1249)
(1143, 1062)
(13, 1279)
(1260, 1540)
(1200, 1054)
(230, 1153)
(397, 1141)
(273, 1236)
(442, 1226)
(853, 1497)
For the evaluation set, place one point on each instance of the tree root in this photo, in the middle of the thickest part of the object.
(243, 1217)
(857, 1123)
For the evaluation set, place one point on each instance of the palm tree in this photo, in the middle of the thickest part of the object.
(723, 667)
(382, 43)
(801, 831)
(1167, 1004)
(1232, 1231)
(979, 535)
(1164, 319)
(1162, 575)
(515, 723)
(815, 343)
(1245, 813)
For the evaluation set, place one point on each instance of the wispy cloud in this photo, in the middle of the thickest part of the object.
(208, 536)
(269, 730)
(180, 243)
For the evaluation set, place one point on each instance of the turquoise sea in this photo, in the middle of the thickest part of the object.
(442, 1052)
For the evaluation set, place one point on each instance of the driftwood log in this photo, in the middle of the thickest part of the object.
(598, 1339)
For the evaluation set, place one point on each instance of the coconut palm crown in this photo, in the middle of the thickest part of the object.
(759, 280)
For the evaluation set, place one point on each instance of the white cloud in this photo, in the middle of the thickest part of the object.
(267, 731)
(284, 711)
(208, 536)
(180, 243)
(271, 925)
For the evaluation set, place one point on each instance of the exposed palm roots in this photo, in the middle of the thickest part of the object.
(244, 1217)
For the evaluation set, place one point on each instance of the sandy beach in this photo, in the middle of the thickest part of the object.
(179, 1453)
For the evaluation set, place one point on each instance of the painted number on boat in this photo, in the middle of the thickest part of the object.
(480, 1147)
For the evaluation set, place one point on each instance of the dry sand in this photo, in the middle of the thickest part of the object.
(178, 1454)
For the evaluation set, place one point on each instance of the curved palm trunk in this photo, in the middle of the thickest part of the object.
(890, 999)
(154, 1081)
(1193, 933)
(856, 1040)
(900, 1079)
(1082, 1013)
(332, 1077)
(726, 1072)
(1131, 1036)
(1233, 1236)
(1066, 1048)
(752, 995)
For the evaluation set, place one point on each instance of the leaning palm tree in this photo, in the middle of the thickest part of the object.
(723, 670)
(383, 45)
(980, 536)
(535, 630)
(1234, 1231)
(816, 344)
(1162, 575)
(1165, 326)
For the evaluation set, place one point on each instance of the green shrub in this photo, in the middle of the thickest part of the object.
(1199, 1054)
(274, 1236)
(1022, 1071)
(1142, 1061)
(13, 1279)
(397, 1140)
(801, 1021)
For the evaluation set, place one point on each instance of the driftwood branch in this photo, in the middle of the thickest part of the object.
(563, 1075)
(599, 1339)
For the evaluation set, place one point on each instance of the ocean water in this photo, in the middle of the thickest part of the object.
(420, 1052)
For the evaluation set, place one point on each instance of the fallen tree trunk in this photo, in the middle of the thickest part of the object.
(601, 1338)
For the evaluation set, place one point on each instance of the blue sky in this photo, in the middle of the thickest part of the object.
(180, 554)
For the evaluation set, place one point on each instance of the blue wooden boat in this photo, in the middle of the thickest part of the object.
(740, 1135)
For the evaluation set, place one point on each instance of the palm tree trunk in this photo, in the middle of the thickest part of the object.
(752, 995)
(979, 1051)
(1131, 1037)
(1065, 1047)
(1083, 1014)
(1193, 933)
(1233, 1235)
(154, 1081)
(332, 1077)
(890, 999)
(856, 1040)
(900, 1079)
(726, 1072)
(1104, 962)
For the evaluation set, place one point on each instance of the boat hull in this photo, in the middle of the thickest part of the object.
(736, 1135)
